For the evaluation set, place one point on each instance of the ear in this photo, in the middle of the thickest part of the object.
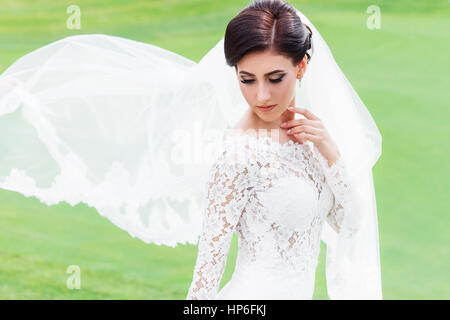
(301, 67)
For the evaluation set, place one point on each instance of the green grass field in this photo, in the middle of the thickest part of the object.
(401, 72)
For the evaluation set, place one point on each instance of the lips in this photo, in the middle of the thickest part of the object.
(266, 108)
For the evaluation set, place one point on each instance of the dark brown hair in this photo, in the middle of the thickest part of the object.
(267, 25)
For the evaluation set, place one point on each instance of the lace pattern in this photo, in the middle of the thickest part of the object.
(227, 191)
(276, 197)
(340, 183)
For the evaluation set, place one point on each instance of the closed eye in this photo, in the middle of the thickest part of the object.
(276, 80)
(271, 80)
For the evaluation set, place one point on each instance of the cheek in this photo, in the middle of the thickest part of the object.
(285, 91)
(246, 92)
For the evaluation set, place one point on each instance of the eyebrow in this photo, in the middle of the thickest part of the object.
(267, 74)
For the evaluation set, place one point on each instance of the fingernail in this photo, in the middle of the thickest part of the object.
(289, 131)
(283, 124)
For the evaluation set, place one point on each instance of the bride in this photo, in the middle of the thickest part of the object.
(137, 132)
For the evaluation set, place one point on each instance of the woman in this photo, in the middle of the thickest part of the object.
(275, 196)
(126, 127)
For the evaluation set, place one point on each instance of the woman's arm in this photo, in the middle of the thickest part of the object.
(335, 177)
(227, 194)
(338, 179)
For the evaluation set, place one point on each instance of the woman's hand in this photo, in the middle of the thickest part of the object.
(314, 130)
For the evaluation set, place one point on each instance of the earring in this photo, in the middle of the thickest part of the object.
(299, 83)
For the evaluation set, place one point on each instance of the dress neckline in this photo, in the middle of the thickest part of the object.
(266, 140)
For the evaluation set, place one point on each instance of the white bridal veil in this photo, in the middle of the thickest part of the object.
(131, 129)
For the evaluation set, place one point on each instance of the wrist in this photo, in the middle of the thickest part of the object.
(332, 156)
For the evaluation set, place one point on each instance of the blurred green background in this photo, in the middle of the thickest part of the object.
(401, 72)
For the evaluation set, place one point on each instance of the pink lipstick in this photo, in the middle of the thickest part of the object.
(266, 108)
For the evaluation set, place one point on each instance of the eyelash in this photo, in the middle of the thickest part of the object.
(271, 80)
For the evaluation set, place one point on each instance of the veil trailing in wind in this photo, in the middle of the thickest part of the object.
(132, 129)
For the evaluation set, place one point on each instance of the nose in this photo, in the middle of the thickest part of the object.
(262, 95)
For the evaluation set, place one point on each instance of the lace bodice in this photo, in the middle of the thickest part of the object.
(276, 197)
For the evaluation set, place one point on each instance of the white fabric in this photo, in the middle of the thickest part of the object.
(353, 268)
(94, 119)
(276, 197)
(132, 129)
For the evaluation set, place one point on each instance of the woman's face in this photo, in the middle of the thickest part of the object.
(267, 78)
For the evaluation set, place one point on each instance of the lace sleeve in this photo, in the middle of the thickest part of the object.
(227, 193)
(338, 180)
(335, 177)
(350, 234)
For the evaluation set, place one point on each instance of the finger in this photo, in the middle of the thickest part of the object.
(306, 129)
(298, 122)
(302, 137)
(308, 114)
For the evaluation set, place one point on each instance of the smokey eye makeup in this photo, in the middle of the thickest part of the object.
(271, 80)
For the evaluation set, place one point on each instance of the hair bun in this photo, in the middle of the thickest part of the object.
(309, 41)
(310, 35)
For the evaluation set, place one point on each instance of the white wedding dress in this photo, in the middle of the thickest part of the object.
(276, 197)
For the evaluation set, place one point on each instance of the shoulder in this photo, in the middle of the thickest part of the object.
(244, 123)
(238, 154)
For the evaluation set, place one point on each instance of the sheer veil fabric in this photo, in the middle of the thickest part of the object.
(131, 129)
